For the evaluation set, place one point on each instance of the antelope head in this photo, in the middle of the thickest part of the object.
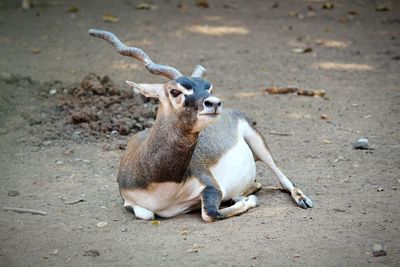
(186, 98)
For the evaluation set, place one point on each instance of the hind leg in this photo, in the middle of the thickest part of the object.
(211, 200)
(260, 150)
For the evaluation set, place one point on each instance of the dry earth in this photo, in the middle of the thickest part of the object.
(246, 46)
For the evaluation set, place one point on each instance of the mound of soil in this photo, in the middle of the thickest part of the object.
(93, 110)
(97, 106)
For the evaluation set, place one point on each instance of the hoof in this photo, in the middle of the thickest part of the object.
(301, 200)
(251, 201)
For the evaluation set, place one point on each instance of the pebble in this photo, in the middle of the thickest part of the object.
(114, 132)
(13, 193)
(361, 143)
(54, 252)
(380, 189)
(102, 224)
(53, 91)
(68, 152)
(378, 251)
(124, 229)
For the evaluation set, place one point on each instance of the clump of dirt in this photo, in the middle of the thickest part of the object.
(95, 109)
(97, 106)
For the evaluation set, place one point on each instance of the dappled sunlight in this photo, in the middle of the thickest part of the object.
(122, 65)
(342, 66)
(218, 30)
(331, 43)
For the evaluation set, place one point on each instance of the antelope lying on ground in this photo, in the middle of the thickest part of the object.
(195, 155)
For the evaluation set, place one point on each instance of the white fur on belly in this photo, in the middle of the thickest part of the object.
(166, 199)
(235, 171)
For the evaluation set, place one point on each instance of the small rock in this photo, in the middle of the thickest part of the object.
(102, 224)
(59, 162)
(301, 50)
(124, 229)
(82, 116)
(324, 117)
(361, 143)
(114, 132)
(378, 251)
(35, 50)
(122, 146)
(192, 250)
(54, 252)
(380, 189)
(326, 141)
(68, 152)
(327, 5)
(107, 147)
(13, 193)
(394, 188)
(52, 92)
(202, 3)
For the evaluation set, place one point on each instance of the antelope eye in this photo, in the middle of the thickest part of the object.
(175, 93)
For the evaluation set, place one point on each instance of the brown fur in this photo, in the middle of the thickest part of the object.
(161, 154)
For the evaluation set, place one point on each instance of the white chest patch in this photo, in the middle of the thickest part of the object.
(235, 171)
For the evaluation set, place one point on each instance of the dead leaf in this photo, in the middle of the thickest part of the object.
(202, 3)
(155, 222)
(328, 5)
(110, 18)
(146, 6)
(301, 50)
(72, 9)
(277, 90)
(35, 50)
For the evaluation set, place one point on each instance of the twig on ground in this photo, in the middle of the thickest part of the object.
(280, 134)
(22, 210)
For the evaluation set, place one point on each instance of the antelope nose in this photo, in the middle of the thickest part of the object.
(212, 104)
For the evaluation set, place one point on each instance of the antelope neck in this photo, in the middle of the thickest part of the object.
(168, 150)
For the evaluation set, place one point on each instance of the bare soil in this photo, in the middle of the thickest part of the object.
(66, 166)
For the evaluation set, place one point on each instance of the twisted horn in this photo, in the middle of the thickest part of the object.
(199, 71)
(154, 68)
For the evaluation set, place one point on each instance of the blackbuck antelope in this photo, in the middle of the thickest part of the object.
(195, 155)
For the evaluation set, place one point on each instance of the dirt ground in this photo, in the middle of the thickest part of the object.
(246, 47)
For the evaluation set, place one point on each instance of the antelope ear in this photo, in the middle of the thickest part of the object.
(154, 90)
